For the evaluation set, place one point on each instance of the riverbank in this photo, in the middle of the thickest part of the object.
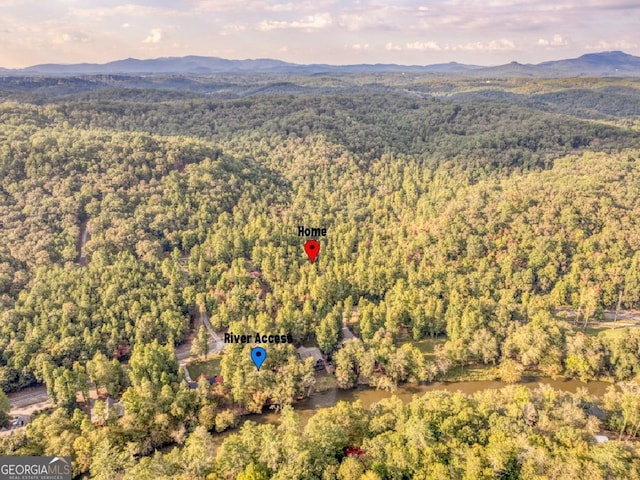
(480, 373)
(367, 396)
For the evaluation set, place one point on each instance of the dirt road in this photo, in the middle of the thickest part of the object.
(216, 345)
(623, 318)
(29, 400)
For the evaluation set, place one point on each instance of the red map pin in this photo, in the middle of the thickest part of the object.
(312, 247)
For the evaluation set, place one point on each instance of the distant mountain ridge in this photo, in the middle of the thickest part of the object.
(603, 64)
(614, 63)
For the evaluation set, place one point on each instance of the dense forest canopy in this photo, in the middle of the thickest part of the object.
(450, 211)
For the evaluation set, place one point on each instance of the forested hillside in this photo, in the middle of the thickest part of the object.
(469, 219)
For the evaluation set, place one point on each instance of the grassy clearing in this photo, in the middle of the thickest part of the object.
(605, 331)
(209, 368)
(614, 332)
(324, 382)
(426, 346)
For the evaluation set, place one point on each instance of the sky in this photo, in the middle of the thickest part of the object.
(421, 32)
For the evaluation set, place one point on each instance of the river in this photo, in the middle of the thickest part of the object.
(367, 396)
(308, 407)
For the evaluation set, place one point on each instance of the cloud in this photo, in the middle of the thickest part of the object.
(155, 36)
(233, 28)
(424, 46)
(502, 44)
(471, 31)
(376, 17)
(228, 5)
(236, 27)
(258, 6)
(308, 23)
(556, 41)
(357, 46)
(281, 7)
(11, 3)
(613, 4)
(129, 10)
(616, 45)
(62, 38)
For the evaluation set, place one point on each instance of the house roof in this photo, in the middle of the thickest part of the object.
(110, 404)
(313, 352)
(347, 334)
(601, 438)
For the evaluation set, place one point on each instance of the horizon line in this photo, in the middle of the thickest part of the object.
(302, 64)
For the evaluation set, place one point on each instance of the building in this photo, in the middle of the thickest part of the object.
(601, 438)
(20, 421)
(313, 352)
(217, 380)
(111, 408)
(347, 334)
(354, 452)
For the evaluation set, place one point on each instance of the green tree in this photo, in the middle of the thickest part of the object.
(200, 346)
(197, 453)
(253, 472)
(4, 408)
(350, 469)
(510, 371)
(154, 362)
(328, 332)
(108, 461)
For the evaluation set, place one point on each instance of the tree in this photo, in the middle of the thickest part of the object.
(108, 461)
(427, 212)
(154, 362)
(484, 346)
(100, 411)
(510, 371)
(453, 352)
(329, 330)
(65, 388)
(200, 346)
(225, 419)
(325, 440)
(82, 454)
(350, 469)
(105, 373)
(253, 472)
(346, 364)
(624, 409)
(4, 408)
(631, 292)
(197, 453)
(585, 357)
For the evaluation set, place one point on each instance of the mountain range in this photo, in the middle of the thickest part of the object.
(615, 64)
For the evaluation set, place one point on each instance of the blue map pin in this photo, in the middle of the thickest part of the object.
(258, 355)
